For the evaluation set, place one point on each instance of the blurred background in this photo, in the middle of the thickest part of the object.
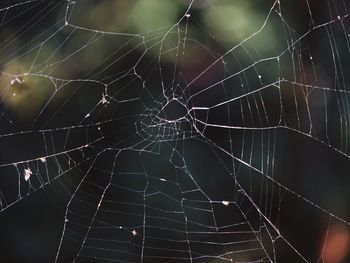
(225, 111)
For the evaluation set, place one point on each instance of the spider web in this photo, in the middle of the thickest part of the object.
(173, 131)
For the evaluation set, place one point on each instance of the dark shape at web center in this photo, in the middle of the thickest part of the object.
(173, 110)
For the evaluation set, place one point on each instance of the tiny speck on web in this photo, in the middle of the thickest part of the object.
(104, 100)
(225, 203)
(27, 174)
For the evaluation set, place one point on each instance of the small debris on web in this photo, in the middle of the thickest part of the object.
(27, 173)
